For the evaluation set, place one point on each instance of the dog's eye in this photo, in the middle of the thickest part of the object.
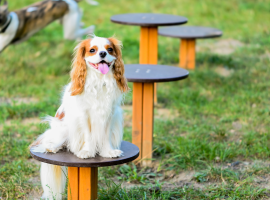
(92, 50)
(110, 49)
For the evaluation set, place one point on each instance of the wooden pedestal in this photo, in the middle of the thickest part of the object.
(144, 97)
(82, 183)
(143, 119)
(83, 173)
(187, 54)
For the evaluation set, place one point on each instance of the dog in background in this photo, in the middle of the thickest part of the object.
(19, 25)
(89, 121)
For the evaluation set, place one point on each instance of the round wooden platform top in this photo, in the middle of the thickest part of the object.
(189, 32)
(148, 19)
(64, 158)
(146, 73)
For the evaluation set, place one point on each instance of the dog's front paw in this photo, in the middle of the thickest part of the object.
(51, 148)
(85, 154)
(112, 153)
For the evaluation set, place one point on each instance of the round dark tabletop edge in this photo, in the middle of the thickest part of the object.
(148, 25)
(187, 37)
(157, 80)
(195, 38)
(103, 164)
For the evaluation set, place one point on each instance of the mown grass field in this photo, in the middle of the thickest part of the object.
(211, 134)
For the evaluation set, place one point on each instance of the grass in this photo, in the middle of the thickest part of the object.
(221, 120)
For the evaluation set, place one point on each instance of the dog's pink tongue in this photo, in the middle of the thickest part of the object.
(103, 68)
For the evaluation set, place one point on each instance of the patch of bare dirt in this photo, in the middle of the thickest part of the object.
(25, 121)
(164, 113)
(266, 56)
(237, 125)
(208, 94)
(32, 160)
(171, 180)
(36, 193)
(220, 46)
(183, 176)
(33, 120)
(222, 71)
(18, 100)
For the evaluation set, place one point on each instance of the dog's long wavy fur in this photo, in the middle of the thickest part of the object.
(90, 108)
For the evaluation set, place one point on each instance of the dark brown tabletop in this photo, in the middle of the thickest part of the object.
(154, 73)
(64, 158)
(189, 32)
(148, 19)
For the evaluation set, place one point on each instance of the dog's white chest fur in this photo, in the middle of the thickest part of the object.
(100, 95)
(96, 111)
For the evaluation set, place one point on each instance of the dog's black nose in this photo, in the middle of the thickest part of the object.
(102, 54)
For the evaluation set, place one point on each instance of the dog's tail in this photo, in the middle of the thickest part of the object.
(53, 180)
(91, 2)
(53, 138)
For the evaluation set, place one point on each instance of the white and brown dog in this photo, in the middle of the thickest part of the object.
(89, 120)
(19, 25)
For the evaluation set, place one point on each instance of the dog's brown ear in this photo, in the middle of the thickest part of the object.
(119, 68)
(79, 69)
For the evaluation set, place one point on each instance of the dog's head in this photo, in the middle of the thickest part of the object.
(3, 12)
(102, 55)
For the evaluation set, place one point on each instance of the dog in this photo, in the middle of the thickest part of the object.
(19, 25)
(89, 121)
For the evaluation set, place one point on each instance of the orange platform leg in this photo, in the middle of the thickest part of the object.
(144, 46)
(144, 96)
(148, 121)
(153, 52)
(187, 55)
(73, 183)
(137, 102)
(137, 116)
(83, 183)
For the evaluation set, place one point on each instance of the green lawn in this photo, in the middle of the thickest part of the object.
(211, 134)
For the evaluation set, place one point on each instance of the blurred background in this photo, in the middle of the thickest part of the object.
(211, 134)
